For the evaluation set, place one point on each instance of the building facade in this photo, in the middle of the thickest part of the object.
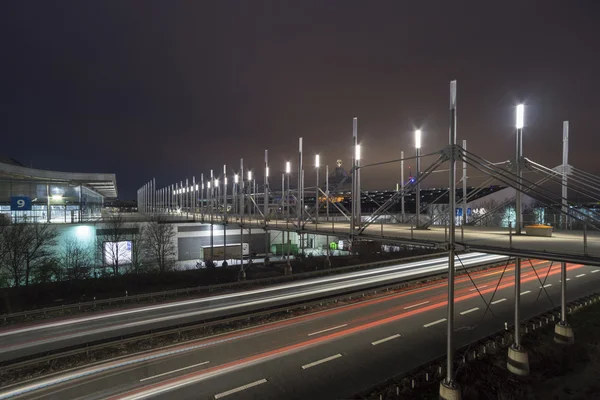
(35, 195)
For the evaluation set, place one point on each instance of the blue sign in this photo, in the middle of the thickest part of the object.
(20, 203)
(469, 212)
(459, 212)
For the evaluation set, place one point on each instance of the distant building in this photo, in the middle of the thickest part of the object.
(36, 195)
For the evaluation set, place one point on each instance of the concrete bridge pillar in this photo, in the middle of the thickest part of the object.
(449, 392)
(563, 333)
(518, 360)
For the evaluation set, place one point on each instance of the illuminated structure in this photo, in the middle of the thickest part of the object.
(35, 195)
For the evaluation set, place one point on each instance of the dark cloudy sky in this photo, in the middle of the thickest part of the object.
(171, 89)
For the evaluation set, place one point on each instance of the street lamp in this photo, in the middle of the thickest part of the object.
(317, 165)
(516, 352)
(418, 191)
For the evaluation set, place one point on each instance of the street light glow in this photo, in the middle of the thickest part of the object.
(317, 161)
(357, 155)
(225, 181)
(267, 172)
(208, 183)
(216, 182)
(520, 116)
(249, 175)
(288, 167)
(235, 178)
(418, 139)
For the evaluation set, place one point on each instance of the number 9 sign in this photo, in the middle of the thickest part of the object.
(20, 203)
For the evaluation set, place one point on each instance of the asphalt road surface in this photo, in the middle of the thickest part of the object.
(328, 355)
(29, 339)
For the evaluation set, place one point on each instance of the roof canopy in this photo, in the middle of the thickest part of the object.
(104, 184)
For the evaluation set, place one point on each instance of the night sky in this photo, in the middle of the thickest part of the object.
(170, 89)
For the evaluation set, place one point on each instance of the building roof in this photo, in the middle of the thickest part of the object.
(104, 184)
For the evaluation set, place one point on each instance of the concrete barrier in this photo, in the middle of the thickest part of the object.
(538, 230)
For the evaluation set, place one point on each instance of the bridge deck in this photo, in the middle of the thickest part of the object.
(562, 246)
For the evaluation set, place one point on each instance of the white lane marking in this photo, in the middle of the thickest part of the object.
(525, 292)
(172, 372)
(239, 389)
(596, 270)
(546, 285)
(479, 287)
(327, 330)
(579, 276)
(524, 275)
(434, 322)
(498, 301)
(469, 311)
(324, 360)
(416, 305)
(375, 343)
(568, 279)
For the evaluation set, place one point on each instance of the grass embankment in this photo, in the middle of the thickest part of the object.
(557, 371)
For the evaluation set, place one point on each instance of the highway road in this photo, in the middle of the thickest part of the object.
(332, 354)
(31, 339)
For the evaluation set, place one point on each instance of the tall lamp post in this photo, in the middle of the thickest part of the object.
(418, 191)
(317, 166)
(250, 190)
(519, 157)
(518, 360)
(288, 171)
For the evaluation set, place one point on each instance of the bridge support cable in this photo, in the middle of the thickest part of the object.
(421, 156)
(496, 288)
(585, 175)
(548, 201)
(398, 195)
(474, 285)
(542, 283)
(581, 186)
(502, 205)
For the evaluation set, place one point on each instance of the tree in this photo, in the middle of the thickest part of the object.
(39, 240)
(23, 248)
(12, 250)
(114, 233)
(77, 259)
(160, 242)
(137, 250)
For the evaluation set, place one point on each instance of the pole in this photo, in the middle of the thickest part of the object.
(327, 189)
(288, 218)
(402, 184)
(565, 209)
(194, 196)
(565, 162)
(202, 197)
(242, 272)
(518, 206)
(300, 202)
(317, 196)
(225, 194)
(354, 175)
(464, 186)
(242, 177)
(448, 388)
(266, 195)
(211, 191)
(418, 192)
(517, 303)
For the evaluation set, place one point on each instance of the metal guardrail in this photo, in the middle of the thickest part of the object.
(151, 334)
(211, 288)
